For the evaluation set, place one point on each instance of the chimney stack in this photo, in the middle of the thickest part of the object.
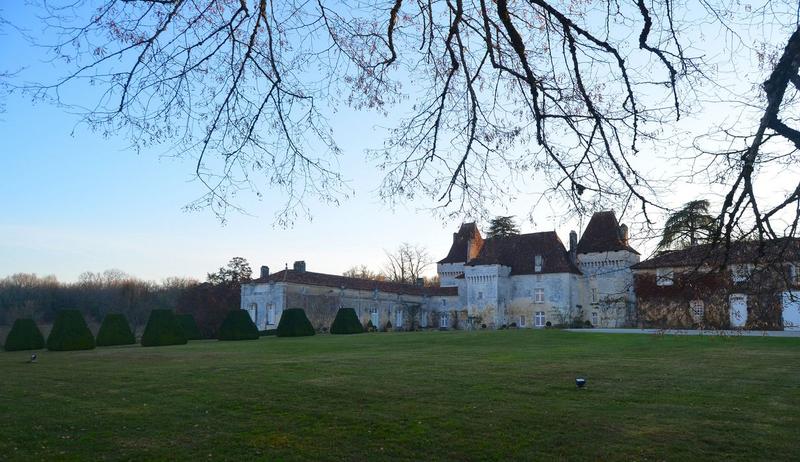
(300, 266)
(623, 234)
(573, 247)
(264, 272)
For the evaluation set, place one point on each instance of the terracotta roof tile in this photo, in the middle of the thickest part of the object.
(461, 239)
(332, 280)
(602, 234)
(772, 251)
(518, 252)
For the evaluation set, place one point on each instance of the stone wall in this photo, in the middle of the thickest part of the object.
(321, 304)
(669, 306)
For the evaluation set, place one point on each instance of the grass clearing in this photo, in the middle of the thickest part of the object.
(414, 396)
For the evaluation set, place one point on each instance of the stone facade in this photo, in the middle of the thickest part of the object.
(403, 306)
(745, 286)
(526, 280)
(531, 279)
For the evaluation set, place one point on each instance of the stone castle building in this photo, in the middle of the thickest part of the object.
(532, 279)
(527, 280)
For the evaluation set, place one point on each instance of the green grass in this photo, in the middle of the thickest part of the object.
(409, 396)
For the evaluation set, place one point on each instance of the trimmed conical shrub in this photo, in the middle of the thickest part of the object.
(24, 335)
(163, 329)
(189, 326)
(238, 326)
(70, 332)
(115, 330)
(346, 322)
(294, 323)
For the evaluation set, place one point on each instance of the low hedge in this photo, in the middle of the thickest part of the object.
(24, 335)
(115, 330)
(70, 333)
(163, 329)
(346, 322)
(268, 332)
(294, 323)
(189, 326)
(238, 326)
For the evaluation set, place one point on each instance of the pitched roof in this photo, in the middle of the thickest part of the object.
(461, 239)
(339, 282)
(518, 252)
(771, 251)
(603, 234)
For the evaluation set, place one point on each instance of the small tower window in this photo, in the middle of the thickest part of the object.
(537, 264)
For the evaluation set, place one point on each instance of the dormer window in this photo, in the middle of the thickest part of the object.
(741, 273)
(537, 264)
(665, 276)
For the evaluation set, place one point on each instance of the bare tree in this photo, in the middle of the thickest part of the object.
(764, 139)
(363, 272)
(502, 92)
(407, 263)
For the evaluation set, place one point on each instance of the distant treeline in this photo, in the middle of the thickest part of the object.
(25, 295)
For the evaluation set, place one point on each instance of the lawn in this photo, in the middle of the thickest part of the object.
(409, 396)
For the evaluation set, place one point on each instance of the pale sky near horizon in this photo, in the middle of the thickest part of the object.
(75, 202)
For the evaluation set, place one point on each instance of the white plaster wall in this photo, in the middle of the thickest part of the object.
(448, 273)
(264, 294)
(387, 304)
(609, 273)
(559, 292)
(487, 290)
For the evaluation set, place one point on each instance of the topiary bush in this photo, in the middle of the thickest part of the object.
(238, 326)
(346, 322)
(163, 329)
(24, 335)
(115, 330)
(189, 326)
(70, 333)
(294, 323)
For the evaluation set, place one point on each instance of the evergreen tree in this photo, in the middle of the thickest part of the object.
(691, 225)
(502, 226)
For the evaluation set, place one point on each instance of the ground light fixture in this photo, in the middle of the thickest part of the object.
(580, 382)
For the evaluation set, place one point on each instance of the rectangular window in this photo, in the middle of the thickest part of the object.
(398, 318)
(444, 302)
(738, 310)
(697, 309)
(271, 314)
(538, 295)
(665, 276)
(537, 264)
(444, 320)
(539, 319)
(522, 321)
(595, 319)
(423, 319)
(594, 295)
(375, 317)
(480, 295)
(791, 271)
(741, 273)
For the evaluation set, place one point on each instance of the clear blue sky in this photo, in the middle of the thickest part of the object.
(74, 202)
